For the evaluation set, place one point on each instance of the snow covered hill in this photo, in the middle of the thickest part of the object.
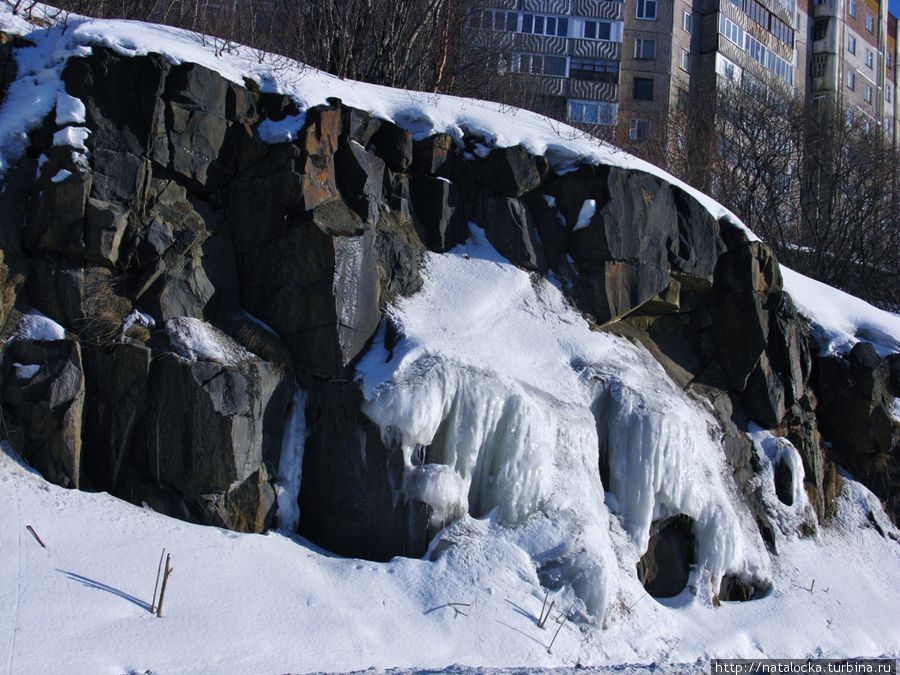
(515, 364)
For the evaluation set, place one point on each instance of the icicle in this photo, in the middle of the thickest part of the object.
(290, 465)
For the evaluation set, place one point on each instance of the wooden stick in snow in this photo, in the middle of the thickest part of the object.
(156, 585)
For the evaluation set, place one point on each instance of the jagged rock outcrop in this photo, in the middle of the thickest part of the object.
(167, 204)
(43, 388)
(856, 394)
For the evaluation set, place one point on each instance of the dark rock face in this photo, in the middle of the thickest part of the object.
(435, 213)
(43, 387)
(293, 251)
(855, 393)
(621, 250)
(665, 568)
(179, 209)
(115, 400)
(210, 431)
(353, 506)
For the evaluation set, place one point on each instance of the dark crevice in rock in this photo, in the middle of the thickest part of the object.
(665, 568)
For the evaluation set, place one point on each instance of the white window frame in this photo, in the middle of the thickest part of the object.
(852, 9)
(867, 93)
(635, 126)
(685, 62)
(639, 44)
(851, 80)
(851, 44)
(604, 112)
(870, 23)
(687, 22)
(643, 11)
(731, 31)
(537, 64)
(870, 58)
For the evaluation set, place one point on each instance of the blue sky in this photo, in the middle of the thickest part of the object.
(894, 7)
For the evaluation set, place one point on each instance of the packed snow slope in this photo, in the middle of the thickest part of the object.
(274, 604)
(499, 407)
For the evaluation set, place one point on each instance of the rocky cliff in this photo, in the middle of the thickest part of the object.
(182, 254)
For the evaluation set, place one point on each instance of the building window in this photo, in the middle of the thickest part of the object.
(539, 64)
(644, 48)
(867, 93)
(851, 9)
(730, 71)
(782, 31)
(493, 20)
(593, 112)
(820, 28)
(851, 44)
(758, 13)
(769, 60)
(685, 61)
(870, 58)
(646, 9)
(850, 116)
(596, 30)
(819, 61)
(535, 24)
(687, 22)
(889, 61)
(642, 89)
(851, 80)
(639, 130)
(887, 93)
(731, 30)
(682, 99)
(870, 23)
(595, 70)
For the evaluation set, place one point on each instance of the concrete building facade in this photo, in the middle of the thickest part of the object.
(622, 67)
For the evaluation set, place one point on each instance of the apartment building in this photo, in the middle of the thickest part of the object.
(659, 58)
(572, 50)
(622, 67)
(854, 60)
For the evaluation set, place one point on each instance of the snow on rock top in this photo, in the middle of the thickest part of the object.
(195, 340)
(32, 97)
(840, 320)
(36, 326)
(69, 110)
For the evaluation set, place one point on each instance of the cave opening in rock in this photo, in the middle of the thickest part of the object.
(665, 568)
(784, 483)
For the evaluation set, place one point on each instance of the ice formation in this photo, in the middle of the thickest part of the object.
(588, 209)
(789, 518)
(501, 399)
(290, 464)
(25, 371)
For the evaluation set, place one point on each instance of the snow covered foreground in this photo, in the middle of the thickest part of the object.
(273, 604)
